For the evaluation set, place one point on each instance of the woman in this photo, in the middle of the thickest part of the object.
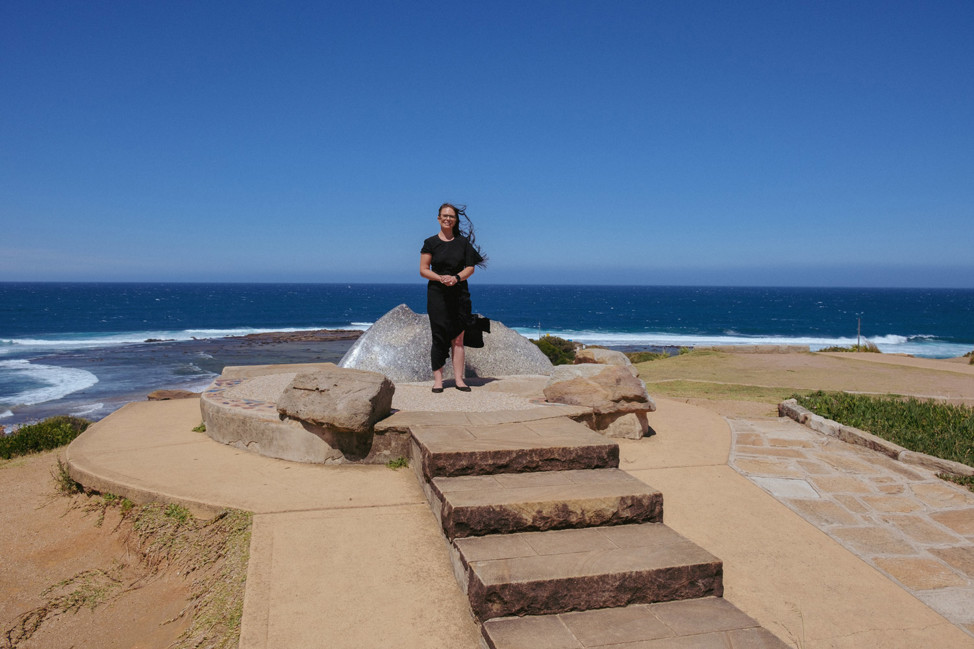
(447, 260)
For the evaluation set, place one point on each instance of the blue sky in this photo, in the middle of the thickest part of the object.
(723, 143)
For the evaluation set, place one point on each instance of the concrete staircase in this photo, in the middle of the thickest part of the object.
(555, 547)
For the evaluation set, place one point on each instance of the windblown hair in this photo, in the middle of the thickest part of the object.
(465, 231)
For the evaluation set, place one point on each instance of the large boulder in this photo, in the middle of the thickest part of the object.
(398, 346)
(618, 400)
(342, 400)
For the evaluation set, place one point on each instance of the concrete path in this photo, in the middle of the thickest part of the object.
(351, 556)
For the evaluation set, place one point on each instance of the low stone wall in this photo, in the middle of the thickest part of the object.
(852, 435)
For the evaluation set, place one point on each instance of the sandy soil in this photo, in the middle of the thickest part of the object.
(46, 539)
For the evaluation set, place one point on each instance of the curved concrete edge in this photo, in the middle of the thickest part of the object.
(103, 481)
(852, 435)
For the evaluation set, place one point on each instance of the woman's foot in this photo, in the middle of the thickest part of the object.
(437, 390)
(463, 388)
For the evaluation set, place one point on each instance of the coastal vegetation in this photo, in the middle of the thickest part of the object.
(863, 347)
(645, 357)
(42, 436)
(940, 429)
(558, 350)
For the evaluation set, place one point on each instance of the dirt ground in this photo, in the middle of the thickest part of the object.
(50, 541)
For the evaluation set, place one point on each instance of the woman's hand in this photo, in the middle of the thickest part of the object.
(448, 280)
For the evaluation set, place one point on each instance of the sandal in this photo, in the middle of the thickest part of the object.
(463, 388)
(437, 390)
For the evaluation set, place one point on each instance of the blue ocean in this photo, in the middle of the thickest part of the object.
(82, 348)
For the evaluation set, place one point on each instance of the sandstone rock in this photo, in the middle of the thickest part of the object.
(398, 346)
(604, 388)
(604, 357)
(166, 395)
(343, 400)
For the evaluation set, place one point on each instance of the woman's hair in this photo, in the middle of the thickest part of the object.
(466, 231)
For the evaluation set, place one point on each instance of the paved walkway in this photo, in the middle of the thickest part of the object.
(351, 556)
(903, 520)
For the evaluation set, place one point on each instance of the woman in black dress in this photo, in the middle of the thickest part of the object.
(447, 260)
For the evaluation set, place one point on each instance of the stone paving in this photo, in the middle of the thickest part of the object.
(903, 520)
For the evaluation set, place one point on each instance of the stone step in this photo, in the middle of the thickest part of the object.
(528, 502)
(541, 573)
(703, 623)
(555, 444)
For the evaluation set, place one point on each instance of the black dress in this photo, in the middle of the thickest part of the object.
(448, 307)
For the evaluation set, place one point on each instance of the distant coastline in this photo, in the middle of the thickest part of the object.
(81, 348)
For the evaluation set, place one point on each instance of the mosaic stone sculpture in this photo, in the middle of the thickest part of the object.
(398, 345)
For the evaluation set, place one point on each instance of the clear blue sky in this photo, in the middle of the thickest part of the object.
(729, 143)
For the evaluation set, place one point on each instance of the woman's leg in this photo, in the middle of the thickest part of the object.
(457, 354)
(438, 310)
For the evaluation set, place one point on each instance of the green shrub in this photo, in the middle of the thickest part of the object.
(939, 429)
(558, 350)
(42, 436)
(864, 347)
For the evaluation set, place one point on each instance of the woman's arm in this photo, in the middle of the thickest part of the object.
(465, 273)
(425, 261)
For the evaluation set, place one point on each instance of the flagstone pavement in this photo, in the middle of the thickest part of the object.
(903, 520)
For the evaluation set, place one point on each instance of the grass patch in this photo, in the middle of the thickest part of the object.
(398, 463)
(964, 481)
(42, 436)
(87, 589)
(201, 428)
(646, 357)
(939, 429)
(679, 389)
(864, 347)
(63, 482)
(216, 551)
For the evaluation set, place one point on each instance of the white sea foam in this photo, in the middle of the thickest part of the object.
(91, 340)
(56, 381)
(925, 346)
(202, 385)
(5, 414)
(87, 409)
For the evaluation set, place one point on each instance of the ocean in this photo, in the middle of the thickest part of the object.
(82, 348)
